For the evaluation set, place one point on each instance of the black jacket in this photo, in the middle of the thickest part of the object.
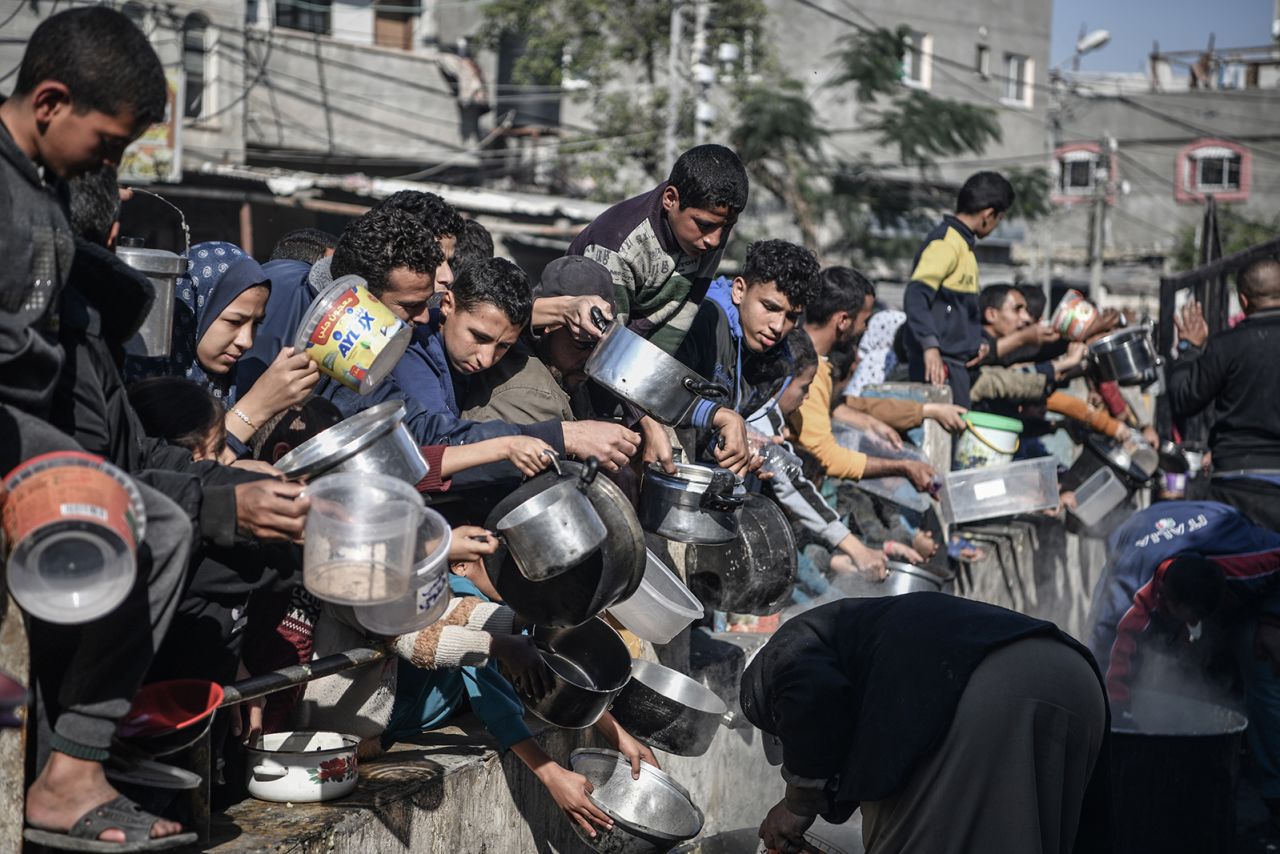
(1235, 379)
(102, 305)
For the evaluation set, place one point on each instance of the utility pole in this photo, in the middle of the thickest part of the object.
(704, 75)
(673, 82)
(1101, 190)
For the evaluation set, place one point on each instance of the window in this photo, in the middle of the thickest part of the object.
(1018, 75)
(1077, 171)
(1217, 169)
(194, 54)
(1216, 166)
(393, 24)
(917, 56)
(982, 61)
(311, 16)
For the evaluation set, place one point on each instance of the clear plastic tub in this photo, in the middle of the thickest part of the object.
(361, 533)
(428, 594)
(1098, 496)
(994, 491)
(661, 606)
(75, 522)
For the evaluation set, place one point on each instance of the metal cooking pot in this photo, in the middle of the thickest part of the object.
(909, 578)
(1134, 460)
(155, 337)
(668, 710)
(753, 574)
(698, 504)
(374, 441)
(644, 375)
(651, 814)
(1126, 356)
(589, 664)
(610, 574)
(555, 529)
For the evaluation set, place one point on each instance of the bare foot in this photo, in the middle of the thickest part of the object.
(68, 788)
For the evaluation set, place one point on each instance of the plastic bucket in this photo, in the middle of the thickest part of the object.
(428, 587)
(74, 522)
(360, 538)
(661, 607)
(1074, 314)
(989, 440)
(352, 336)
(1174, 770)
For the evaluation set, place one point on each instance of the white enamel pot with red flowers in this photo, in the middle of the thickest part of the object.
(302, 767)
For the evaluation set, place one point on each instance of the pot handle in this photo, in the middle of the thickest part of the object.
(709, 390)
(598, 318)
(269, 769)
(592, 469)
(555, 461)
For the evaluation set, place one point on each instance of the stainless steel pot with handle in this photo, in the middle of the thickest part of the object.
(588, 665)
(1127, 356)
(162, 268)
(668, 710)
(698, 504)
(555, 529)
(644, 375)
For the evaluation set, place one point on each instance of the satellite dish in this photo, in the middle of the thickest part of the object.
(1093, 41)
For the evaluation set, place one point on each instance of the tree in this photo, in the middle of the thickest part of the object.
(1238, 232)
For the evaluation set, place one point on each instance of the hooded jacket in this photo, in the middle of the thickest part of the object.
(37, 246)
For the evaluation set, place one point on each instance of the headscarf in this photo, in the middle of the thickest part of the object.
(217, 274)
(875, 352)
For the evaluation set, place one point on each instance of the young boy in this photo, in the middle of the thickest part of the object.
(944, 326)
(662, 249)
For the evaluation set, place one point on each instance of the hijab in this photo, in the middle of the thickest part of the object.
(217, 274)
(875, 352)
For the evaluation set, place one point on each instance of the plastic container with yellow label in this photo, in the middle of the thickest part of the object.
(352, 336)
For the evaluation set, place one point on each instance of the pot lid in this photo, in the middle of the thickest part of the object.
(693, 475)
(993, 422)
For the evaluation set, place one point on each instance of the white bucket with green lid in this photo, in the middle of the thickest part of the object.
(989, 440)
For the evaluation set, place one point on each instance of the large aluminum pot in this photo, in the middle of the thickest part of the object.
(374, 441)
(668, 710)
(754, 573)
(555, 529)
(155, 337)
(644, 375)
(652, 814)
(698, 504)
(589, 664)
(610, 574)
(1126, 356)
(909, 578)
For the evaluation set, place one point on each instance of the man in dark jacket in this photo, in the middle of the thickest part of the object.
(944, 326)
(955, 725)
(1235, 379)
(662, 248)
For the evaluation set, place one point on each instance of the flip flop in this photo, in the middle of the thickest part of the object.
(119, 813)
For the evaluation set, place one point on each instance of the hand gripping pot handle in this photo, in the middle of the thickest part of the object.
(598, 318)
(269, 769)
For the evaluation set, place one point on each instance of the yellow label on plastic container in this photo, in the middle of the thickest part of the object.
(348, 338)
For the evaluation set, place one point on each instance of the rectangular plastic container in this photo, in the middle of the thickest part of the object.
(1098, 496)
(994, 491)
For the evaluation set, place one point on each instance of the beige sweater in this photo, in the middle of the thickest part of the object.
(358, 701)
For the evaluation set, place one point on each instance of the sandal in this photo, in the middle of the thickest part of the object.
(119, 813)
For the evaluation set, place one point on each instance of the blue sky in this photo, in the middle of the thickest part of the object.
(1176, 24)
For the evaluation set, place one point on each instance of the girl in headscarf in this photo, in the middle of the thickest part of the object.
(875, 352)
(220, 302)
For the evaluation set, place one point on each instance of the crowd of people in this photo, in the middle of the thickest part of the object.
(493, 384)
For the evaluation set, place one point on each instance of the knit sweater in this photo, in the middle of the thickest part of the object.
(359, 701)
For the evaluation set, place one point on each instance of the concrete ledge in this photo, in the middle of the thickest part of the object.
(451, 790)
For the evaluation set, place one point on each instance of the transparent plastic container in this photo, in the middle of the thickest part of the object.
(74, 522)
(361, 533)
(995, 491)
(428, 594)
(1101, 493)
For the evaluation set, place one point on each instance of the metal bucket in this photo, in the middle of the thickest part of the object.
(155, 337)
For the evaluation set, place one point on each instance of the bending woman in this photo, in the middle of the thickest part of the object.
(220, 302)
(959, 728)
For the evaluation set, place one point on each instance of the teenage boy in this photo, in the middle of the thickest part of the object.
(479, 319)
(944, 326)
(662, 249)
(1001, 389)
(88, 85)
